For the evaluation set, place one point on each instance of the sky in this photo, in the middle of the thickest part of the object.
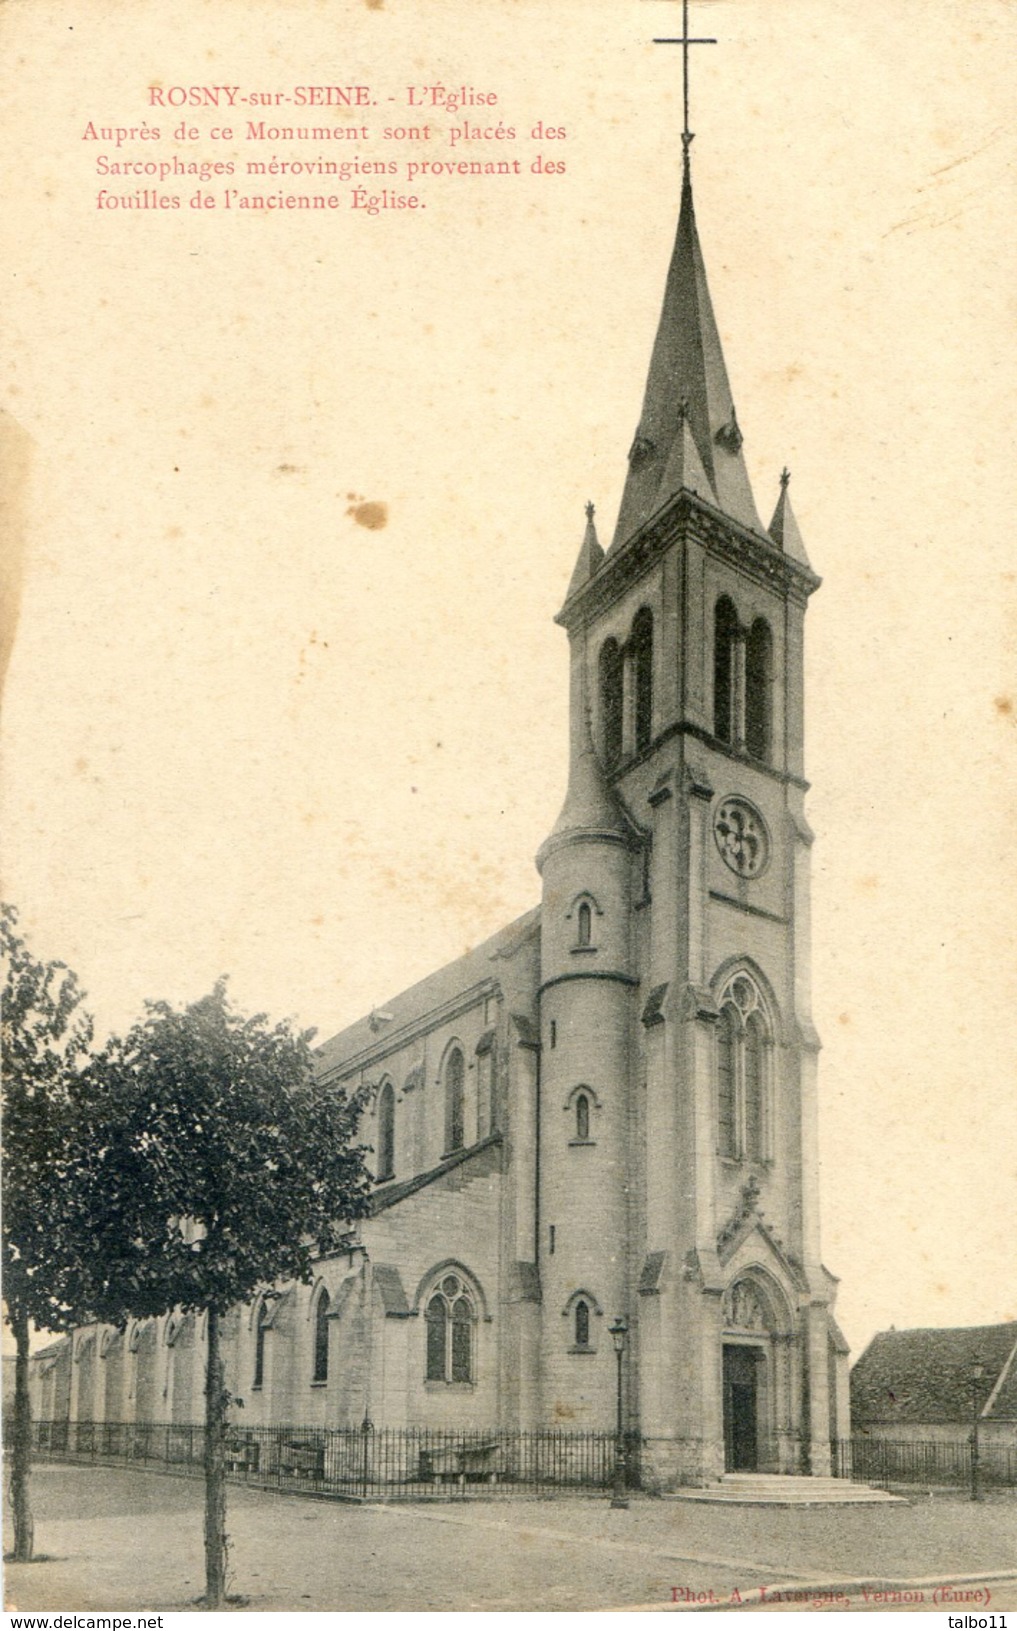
(249, 730)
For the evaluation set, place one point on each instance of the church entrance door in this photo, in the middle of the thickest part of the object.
(741, 1428)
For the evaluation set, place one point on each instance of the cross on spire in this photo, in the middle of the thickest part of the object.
(685, 40)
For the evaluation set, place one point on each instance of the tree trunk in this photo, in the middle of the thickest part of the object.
(21, 1448)
(215, 1469)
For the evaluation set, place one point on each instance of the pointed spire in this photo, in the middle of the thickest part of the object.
(784, 528)
(687, 365)
(590, 555)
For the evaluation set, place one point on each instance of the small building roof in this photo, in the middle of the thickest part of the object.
(924, 1376)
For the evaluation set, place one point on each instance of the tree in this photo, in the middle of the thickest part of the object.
(46, 1037)
(217, 1164)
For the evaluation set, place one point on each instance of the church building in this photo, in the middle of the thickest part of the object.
(606, 1114)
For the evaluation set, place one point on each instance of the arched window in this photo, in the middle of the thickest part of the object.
(579, 1314)
(386, 1132)
(260, 1329)
(642, 665)
(582, 1318)
(462, 1340)
(579, 1105)
(582, 1118)
(727, 1097)
(611, 701)
(754, 1044)
(455, 1120)
(725, 631)
(321, 1308)
(436, 1318)
(744, 1116)
(758, 689)
(584, 924)
(450, 1318)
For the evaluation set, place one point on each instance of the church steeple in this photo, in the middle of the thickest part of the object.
(688, 401)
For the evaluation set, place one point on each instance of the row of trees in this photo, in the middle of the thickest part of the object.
(184, 1165)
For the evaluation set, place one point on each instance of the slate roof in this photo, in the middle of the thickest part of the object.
(426, 996)
(50, 1349)
(1004, 1405)
(924, 1376)
(688, 433)
(391, 1193)
(591, 805)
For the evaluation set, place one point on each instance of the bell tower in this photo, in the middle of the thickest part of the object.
(675, 1005)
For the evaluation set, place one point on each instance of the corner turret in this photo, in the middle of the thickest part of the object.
(590, 555)
(589, 870)
(591, 812)
(784, 528)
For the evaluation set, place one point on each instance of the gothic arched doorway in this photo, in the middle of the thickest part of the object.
(755, 1380)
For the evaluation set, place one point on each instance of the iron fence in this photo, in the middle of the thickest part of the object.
(368, 1463)
(932, 1462)
(363, 1463)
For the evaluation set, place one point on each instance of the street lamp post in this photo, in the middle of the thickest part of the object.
(619, 1334)
(977, 1374)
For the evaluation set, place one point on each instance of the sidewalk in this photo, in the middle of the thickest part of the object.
(121, 1540)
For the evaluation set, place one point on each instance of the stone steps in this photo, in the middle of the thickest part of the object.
(776, 1489)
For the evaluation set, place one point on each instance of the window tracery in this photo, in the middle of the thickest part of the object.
(743, 1073)
(450, 1321)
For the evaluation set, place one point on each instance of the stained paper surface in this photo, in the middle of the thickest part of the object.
(293, 494)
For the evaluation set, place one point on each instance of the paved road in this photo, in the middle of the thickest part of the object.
(121, 1540)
